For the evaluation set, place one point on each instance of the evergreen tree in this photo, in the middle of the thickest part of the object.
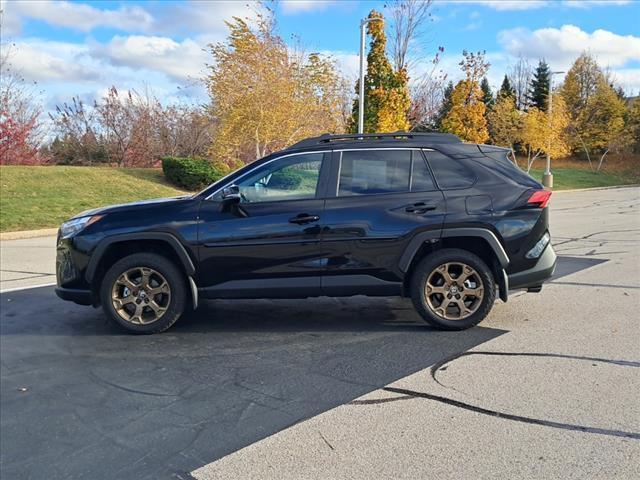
(386, 91)
(506, 90)
(487, 94)
(445, 108)
(539, 87)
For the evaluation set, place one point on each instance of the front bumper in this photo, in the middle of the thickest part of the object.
(535, 276)
(79, 296)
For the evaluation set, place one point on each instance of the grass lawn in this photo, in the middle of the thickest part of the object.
(570, 178)
(42, 197)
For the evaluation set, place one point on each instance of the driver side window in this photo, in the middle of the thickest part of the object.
(291, 178)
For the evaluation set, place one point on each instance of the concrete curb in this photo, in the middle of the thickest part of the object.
(46, 232)
(633, 185)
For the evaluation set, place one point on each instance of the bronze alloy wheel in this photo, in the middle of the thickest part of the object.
(454, 291)
(141, 295)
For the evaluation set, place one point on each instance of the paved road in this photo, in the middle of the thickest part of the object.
(27, 262)
(546, 388)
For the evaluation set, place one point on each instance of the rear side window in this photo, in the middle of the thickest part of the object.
(421, 180)
(370, 172)
(449, 173)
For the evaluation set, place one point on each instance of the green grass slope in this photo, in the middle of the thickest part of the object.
(43, 197)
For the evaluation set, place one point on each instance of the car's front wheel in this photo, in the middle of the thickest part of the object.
(453, 289)
(144, 293)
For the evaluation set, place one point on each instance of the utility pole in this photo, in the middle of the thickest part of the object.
(363, 38)
(547, 177)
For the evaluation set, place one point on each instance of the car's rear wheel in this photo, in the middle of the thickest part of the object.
(453, 289)
(143, 293)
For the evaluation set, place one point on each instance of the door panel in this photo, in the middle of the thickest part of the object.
(244, 247)
(365, 235)
(265, 244)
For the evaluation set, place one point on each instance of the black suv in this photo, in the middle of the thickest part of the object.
(450, 224)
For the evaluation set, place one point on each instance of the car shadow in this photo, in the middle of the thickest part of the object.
(226, 376)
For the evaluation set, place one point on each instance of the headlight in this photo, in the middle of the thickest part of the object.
(76, 225)
(539, 247)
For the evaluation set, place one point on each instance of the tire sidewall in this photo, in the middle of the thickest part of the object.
(172, 275)
(430, 263)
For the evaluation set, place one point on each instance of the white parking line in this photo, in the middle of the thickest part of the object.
(29, 287)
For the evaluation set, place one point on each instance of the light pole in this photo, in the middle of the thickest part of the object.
(363, 24)
(547, 177)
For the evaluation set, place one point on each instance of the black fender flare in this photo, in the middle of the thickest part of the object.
(487, 235)
(168, 238)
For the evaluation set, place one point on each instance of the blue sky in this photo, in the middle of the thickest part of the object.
(84, 47)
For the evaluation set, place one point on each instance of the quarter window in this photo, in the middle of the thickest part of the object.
(450, 173)
(368, 172)
(291, 178)
(421, 180)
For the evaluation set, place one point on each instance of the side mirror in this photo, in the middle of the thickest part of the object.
(231, 201)
(231, 194)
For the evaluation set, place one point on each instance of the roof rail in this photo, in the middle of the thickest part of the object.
(355, 137)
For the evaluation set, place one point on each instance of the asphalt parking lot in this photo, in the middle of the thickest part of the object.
(340, 388)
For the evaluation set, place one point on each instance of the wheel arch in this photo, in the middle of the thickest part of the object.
(115, 247)
(479, 241)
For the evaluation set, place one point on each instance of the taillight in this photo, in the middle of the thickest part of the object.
(539, 199)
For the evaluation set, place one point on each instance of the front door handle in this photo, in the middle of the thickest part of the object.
(420, 207)
(304, 218)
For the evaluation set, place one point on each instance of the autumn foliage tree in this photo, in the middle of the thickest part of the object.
(386, 91)
(265, 96)
(544, 133)
(505, 123)
(19, 117)
(467, 115)
(127, 129)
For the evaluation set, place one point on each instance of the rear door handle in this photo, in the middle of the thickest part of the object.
(420, 207)
(304, 218)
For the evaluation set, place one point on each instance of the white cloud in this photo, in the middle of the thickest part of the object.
(348, 63)
(179, 60)
(41, 61)
(514, 5)
(560, 46)
(204, 19)
(628, 79)
(504, 5)
(292, 7)
(76, 16)
(594, 3)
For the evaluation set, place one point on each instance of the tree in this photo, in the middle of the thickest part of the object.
(583, 81)
(408, 41)
(386, 91)
(542, 134)
(408, 19)
(467, 115)
(520, 77)
(127, 129)
(505, 123)
(539, 89)
(580, 84)
(487, 94)
(445, 105)
(603, 122)
(265, 96)
(20, 110)
(506, 90)
(632, 125)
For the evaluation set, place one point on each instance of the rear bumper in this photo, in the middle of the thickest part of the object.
(81, 297)
(535, 276)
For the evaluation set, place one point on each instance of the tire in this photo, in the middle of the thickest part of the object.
(477, 293)
(156, 306)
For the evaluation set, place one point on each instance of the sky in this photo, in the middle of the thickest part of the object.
(84, 47)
